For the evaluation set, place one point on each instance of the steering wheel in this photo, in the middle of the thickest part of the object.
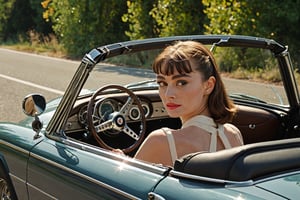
(116, 121)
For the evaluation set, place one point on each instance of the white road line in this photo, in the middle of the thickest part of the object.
(32, 84)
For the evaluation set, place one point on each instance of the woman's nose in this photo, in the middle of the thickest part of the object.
(170, 92)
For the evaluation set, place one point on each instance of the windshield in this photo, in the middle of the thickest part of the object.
(250, 74)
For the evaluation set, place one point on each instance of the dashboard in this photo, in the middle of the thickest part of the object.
(107, 104)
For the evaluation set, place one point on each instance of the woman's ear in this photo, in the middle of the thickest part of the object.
(210, 85)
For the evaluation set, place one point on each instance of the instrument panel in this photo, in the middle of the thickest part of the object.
(104, 107)
(107, 104)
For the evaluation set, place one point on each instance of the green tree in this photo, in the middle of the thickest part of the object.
(141, 24)
(164, 18)
(178, 17)
(20, 20)
(230, 17)
(40, 25)
(5, 13)
(84, 24)
(278, 20)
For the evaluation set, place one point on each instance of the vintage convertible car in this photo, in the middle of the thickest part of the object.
(62, 150)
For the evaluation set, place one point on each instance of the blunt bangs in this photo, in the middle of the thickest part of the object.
(168, 66)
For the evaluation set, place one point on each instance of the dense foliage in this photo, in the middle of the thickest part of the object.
(79, 25)
(278, 20)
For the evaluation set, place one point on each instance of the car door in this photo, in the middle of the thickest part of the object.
(71, 170)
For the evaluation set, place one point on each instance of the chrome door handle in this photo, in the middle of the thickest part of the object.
(154, 196)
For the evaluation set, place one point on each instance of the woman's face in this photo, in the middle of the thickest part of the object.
(185, 95)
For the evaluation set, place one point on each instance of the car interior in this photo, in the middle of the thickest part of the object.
(256, 124)
(259, 120)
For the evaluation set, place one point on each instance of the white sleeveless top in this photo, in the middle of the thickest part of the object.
(205, 123)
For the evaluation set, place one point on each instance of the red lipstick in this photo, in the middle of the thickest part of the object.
(172, 106)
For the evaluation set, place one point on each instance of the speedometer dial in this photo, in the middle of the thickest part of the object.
(106, 108)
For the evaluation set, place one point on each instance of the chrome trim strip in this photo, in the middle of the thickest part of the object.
(229, 184)
(213, 180)
(16, 178)
(101, 184)
(2, 142)
(41, 191)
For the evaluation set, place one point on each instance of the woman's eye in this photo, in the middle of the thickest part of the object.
(161, 83)
(181, 83)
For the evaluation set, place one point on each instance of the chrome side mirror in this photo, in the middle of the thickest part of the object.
(34, 105)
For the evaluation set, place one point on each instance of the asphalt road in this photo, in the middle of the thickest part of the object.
(23, 73)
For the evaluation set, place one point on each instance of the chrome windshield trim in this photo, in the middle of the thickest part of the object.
(212, 180)
(289, 81)
(230, 184)
(277, 176)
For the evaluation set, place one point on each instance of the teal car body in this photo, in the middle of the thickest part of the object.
(53, 155)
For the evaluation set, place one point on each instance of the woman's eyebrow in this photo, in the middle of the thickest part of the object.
(180, 76)
(174, 77)
(159, 77)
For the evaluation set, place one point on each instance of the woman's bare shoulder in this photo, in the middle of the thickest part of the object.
(153, 149)
(156, 137)
(232, 130)
(159, 133)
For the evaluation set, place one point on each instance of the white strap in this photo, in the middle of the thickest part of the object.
(223, 137)
(171, 142)
(213, 141)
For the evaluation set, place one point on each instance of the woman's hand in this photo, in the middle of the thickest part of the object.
(118, 151)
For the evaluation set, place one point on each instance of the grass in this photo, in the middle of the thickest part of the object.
(269, 76)
(43, 45)
(38, 49)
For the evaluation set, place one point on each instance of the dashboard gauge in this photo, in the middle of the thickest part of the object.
(82, 115)
(134, 113)
(106, 108)
(146, 109)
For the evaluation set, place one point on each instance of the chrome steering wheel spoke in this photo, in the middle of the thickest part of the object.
(128, 131)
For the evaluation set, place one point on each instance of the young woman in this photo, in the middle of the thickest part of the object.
(190, 88)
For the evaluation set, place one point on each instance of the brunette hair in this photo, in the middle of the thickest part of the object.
(179, 56)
